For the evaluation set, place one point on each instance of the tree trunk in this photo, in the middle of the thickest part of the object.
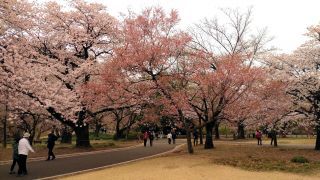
(216, 131)
(128, 128)
(127, 132)
(241, 134)
(118, 132)
(82, 134)
(209, 140)
(4, 142)
(187, 127)
(189, 142)
(318, 138)
(97, 130)
(38, 135)
(66, 135)
(200, 131)
(275, 141)
(31, 138)
(35, 119)
(118, 119)
(201, 135)
(80, 128)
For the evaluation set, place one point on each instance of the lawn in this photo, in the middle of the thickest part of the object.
(227, 161)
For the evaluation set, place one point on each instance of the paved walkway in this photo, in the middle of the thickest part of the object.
(62, 165)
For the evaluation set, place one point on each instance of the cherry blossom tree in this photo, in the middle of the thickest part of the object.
(149, 56)
(225, 43)
(219, 89)
(275, 107)
(301, 68)
(54, 54)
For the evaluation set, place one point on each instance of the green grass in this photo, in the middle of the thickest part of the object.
(100, 137)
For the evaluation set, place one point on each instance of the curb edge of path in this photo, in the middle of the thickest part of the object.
(112, 165)
(75, 154)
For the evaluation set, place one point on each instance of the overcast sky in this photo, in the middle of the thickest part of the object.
(286, 20)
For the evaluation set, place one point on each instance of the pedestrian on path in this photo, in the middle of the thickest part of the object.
(145, 138)
(151, 137)
(15, 154)
(273, 134)
(174, 137)
(195, 137)
(169, 137)
(259, 137)
(161, 135)
(50, 145)
(23, 150)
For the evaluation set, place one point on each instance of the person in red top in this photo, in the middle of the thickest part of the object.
(259, 137)
(145, 138)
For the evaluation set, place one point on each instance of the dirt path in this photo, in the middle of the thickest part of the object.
(199, 166)
(186, 167)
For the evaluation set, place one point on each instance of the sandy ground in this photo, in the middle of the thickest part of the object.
(187, 167)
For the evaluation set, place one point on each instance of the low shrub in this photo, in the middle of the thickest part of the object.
(299, 159)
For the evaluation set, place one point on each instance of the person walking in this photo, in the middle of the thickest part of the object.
(50, 145)
(195, 137)
(169, 137)
(145, 138)
(151, 137)
(259, 137)
(23, 150)
(174, 137)
(271, 135)
(15, 154)
(161, 134)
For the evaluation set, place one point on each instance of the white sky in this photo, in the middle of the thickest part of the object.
(286, 20)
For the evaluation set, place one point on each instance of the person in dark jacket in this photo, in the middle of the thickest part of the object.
(50, 145)
(151, 137)
(15, 155)
(195, 137)
(174, 136)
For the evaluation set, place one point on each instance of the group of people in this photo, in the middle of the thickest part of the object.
(271, 134)
(171, 136)
(21, 148)
(148, 135)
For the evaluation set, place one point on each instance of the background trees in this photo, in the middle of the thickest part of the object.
(231, 51)
(301, 69)
(149, 58)
(52, 58)
(79, 64)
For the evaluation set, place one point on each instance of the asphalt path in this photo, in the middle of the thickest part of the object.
(38, 169)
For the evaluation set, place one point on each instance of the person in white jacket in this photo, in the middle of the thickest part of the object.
(169, 137)
(23, 150)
